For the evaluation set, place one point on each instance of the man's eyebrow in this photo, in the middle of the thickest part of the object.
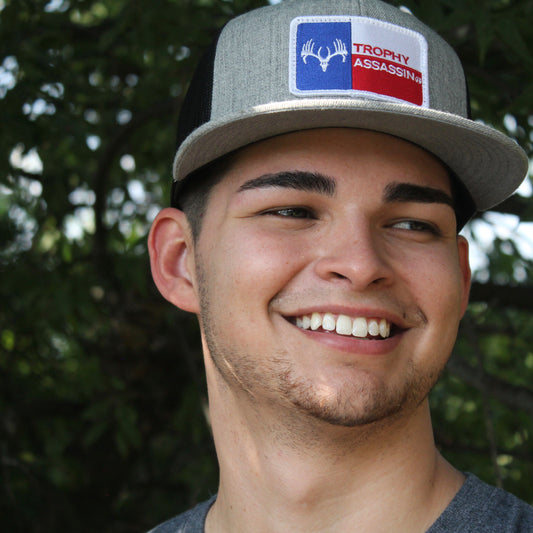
(295, 179)
(409, 192)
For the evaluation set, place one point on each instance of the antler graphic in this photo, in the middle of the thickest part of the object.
(308, 51)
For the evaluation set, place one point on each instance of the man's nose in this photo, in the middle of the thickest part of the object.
(355, 255)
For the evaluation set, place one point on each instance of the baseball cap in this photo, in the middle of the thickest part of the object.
(305, 64)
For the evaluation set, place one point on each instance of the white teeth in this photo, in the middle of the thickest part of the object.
(360, 328)
(344, 325)
(384, 328)
(316, 321)
(373, 328)
(328, 322)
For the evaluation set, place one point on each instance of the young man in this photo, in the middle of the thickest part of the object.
(326, 167)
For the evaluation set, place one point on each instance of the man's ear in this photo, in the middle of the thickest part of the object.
(466, 274)
(172, 259)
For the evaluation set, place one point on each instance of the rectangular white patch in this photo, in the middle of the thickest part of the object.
(360, 57)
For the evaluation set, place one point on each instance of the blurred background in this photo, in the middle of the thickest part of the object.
(102, 396)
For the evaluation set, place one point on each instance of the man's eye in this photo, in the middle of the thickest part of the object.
(416, 225)
(291, 212)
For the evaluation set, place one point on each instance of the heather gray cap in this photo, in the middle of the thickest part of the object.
(307, 64)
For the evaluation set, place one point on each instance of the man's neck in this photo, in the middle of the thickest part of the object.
(388, 477)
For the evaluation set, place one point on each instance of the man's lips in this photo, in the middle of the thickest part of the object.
(354, 326)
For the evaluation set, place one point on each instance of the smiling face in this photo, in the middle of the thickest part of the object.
(329, 275)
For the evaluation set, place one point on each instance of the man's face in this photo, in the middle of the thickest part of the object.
(329, 275)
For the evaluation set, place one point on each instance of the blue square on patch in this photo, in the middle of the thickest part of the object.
(323, 56)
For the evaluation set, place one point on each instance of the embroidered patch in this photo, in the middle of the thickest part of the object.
(360, 57)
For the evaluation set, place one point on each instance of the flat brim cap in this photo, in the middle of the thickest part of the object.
(306, 64)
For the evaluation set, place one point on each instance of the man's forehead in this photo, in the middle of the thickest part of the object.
(326, 155)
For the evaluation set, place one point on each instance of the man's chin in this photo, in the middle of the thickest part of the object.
(364, 405)
(339, 414)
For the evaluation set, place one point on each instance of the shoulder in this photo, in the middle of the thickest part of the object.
(481, 507)
(192, 521)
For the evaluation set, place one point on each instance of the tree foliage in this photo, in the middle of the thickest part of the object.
(102, 396)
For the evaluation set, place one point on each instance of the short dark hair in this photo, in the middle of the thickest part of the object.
(463, 203)
(192, 194)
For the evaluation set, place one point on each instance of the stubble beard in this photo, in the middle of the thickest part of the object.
(271, 380)
(360, 402)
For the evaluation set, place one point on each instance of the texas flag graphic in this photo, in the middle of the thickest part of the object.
(358, 56)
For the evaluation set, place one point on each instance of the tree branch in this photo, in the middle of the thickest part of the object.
(514, 396)
(473, 339)
(102, 177)
(519, 297)
(517, 205)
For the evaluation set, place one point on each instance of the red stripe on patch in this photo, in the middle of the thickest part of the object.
(387, 78)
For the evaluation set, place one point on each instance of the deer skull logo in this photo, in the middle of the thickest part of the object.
(307, 51)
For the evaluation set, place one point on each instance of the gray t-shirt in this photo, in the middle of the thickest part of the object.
(476, 508)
